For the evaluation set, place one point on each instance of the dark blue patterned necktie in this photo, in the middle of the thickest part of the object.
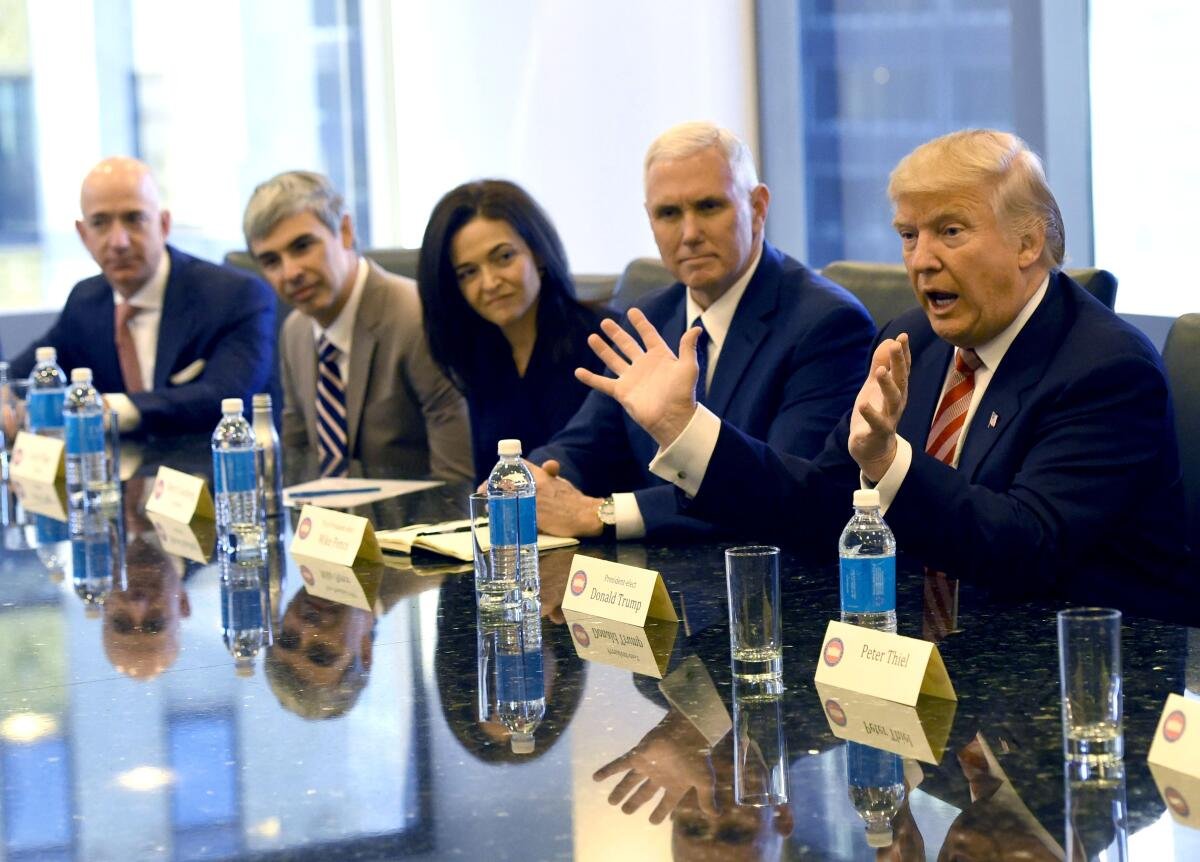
(331, 411)
(702, 361)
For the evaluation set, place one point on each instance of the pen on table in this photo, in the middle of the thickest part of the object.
(304, 495)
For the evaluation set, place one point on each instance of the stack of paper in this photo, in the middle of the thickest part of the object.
(450, 539)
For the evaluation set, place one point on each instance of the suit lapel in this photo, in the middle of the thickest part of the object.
(362, 353)
(746, 331)
(172, 324)
(1001, 403)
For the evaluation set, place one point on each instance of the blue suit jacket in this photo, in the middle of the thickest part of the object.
(1074, 487)
(791, 364)
(215, 313)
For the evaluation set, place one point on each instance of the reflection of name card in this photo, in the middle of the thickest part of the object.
(627, 594)
(42, 498)
(882, 664)
(192, 541)
(180, 496)
(919, 731)
(641, 650)
(341, 584)
(334, 537)
(1177, 740)
(1180, 792)
(36, 458)
(690, 690)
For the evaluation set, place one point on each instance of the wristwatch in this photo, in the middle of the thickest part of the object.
(607, 513)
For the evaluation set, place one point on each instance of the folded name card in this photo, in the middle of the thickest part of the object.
(180, 496)
(919, 731)
(641, 650)
(357, 588)
(42, 498)
(334, 537)
(1177, 740)
(194, 540)
(882, 664)
(36, 458)
(614, 591)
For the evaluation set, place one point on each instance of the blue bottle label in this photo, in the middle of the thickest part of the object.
(519, 676)
(84, 433)
(233, 470)
(872, 767)
(50, 530)
(868, 584)
(45, 408)
(245, 609)
(503, 524)
(527, 512)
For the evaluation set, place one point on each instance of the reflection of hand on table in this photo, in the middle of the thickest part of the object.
(554, 568)
(673, 756)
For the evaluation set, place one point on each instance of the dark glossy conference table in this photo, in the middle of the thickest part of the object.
(128, 731)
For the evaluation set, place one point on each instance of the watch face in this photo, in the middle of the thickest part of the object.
(607, 511)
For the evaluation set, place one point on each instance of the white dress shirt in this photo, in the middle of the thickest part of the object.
(143, 330)
(717, 318)
(340, 333)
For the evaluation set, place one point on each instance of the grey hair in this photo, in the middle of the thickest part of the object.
(288, 194)
(687, 139)
(998, 162)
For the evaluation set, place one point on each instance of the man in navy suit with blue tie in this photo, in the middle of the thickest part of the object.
(167, 335)
(784, 348)
(1020, 434)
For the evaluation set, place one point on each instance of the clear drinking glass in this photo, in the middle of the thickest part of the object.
(1089, 661)
(755, 631)
(493, 592)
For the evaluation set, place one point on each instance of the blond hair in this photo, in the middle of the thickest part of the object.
(998, 162)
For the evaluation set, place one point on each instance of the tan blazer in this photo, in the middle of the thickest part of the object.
(402, 413)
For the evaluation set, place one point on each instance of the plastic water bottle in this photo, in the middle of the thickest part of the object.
(97, 557)
(244, 612)
(513, 526)
(237, 484)
(267, 439)
(89, 480)
(44, 400)
(876, 781)
(520, 685)
(868, 566)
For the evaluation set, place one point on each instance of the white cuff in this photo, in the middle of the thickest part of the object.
(889, 485)
(630, 524)
(128, 416)
(685, 461)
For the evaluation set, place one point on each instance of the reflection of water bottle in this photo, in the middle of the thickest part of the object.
(97, 552)
(53, 545)
(244, 611)
(876, 780)
(868, 566)
(520, 687)
(514, 519)
(267, 439)
(44, 400)
(237, 485)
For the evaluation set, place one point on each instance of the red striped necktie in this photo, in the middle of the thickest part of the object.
(940, 616)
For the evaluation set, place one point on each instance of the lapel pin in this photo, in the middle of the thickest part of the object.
(993, 419)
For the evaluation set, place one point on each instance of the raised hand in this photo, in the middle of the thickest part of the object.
(879, 406)
(656, 387)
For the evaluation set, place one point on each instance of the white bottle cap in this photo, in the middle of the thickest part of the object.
(521, 743)
(864, 497)
(879, 838)
(231, 405)
(509, 447)
(262, 399)
(81, 375)
(45, 354)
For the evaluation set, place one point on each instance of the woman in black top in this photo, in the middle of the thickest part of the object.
(501, 316)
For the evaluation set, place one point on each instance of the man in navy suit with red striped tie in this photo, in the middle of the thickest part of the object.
(1018, 431)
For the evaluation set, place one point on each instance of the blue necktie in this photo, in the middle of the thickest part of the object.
(331, 411)
(702, 361)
